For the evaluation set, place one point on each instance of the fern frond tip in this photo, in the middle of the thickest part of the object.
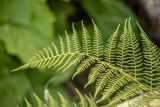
(21, 68)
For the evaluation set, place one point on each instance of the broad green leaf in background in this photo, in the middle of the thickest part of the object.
(13, 88)
(25, 26)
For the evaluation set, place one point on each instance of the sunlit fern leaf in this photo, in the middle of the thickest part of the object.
(39, 102)
(134, 54)
(91, 102)
(75, 61)
(97, 42)
(128, 79)
(118, 82)
(151, 74)
(84, 101)
(75, 40)
(114, 82)
(61, 45)
(110, 55)
(103, 80)
(67, 63)
(53, 58)
(68, 42)
(86, 41)
(95, 72)
(130, 91)
(27, 103)
(85, 64)
(122, 49)
(110, 50)
(51, 102)
(63, 100)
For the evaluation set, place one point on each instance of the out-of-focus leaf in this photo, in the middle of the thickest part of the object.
(13, 90)
(107, 13)
(25, 26)
(13, 86)
(62, 9)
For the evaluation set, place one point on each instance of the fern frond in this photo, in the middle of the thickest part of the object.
(151, 53)
(110, 50)
(85, 64)
(74, 61)
(130, 92)
(103, 80)
(61, 45)
(39, 103)
(63, 100)
(68, 42)
(122, 49)
(117, 72)
(53, 58)
(112, 86)
(75, 40)
(51, 101)
(91, 102)
(55, 49)
(97, 42)
(84, 101)
(116, 79)
(86, 41)
(27, 103)
(95, 72)
(134, 54)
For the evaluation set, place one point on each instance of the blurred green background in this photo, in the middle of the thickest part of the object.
(27, 26)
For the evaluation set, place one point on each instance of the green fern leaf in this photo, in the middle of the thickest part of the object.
(86, 41)
(97, 42)
(151, 62)
(95, 72)
(134, 54)
(63, 100)
(116, 79)
(110, 51)
(51, 102)
(102, 80)
(75, 40)
(27, 103)
(68, 42)
(84, 101)
(91, 102)
(122, 49)
(61, 45)
(84, 65)
(39, 103)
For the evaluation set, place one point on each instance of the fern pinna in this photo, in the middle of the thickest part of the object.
(121, 69)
